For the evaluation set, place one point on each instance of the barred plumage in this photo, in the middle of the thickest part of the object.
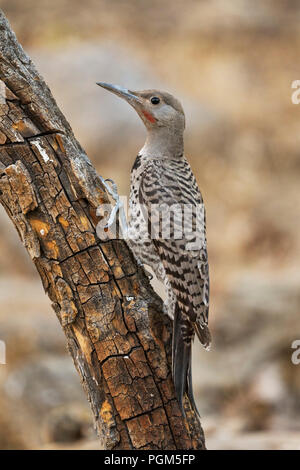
(168, 181)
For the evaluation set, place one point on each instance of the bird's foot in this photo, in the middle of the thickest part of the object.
(118, 207)
(148, 274)
(170, 304)
(168, 309)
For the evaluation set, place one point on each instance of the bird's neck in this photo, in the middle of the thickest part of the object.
(163, 143)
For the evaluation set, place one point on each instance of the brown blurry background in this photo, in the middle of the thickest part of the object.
(231, 64)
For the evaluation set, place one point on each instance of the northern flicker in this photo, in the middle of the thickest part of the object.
(162, 177)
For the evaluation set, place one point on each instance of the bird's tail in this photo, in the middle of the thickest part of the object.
(183, 333)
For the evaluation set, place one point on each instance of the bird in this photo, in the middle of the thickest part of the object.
(162, 188)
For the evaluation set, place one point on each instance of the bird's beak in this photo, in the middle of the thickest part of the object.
(127, 95)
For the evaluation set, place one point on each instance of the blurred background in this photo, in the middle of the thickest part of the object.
(231, 64)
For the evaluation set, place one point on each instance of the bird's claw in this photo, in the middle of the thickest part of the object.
(112, 190)
(113, 214)
(148, 274)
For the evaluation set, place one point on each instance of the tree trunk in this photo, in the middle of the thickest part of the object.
(116, 333)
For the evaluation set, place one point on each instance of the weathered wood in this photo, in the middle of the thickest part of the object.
(118, 338)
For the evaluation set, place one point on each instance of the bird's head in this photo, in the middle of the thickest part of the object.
(157, 109)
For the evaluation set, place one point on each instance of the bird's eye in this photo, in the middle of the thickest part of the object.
(155, 100)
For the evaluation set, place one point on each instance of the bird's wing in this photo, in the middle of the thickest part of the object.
(171, 184)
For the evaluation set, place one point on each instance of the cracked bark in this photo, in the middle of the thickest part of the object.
(117, 336)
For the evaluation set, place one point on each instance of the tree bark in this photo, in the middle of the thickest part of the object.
(116, 333)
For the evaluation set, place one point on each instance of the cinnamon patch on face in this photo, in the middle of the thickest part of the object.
(149, 116)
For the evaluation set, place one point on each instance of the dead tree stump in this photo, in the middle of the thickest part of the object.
(117, 336)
